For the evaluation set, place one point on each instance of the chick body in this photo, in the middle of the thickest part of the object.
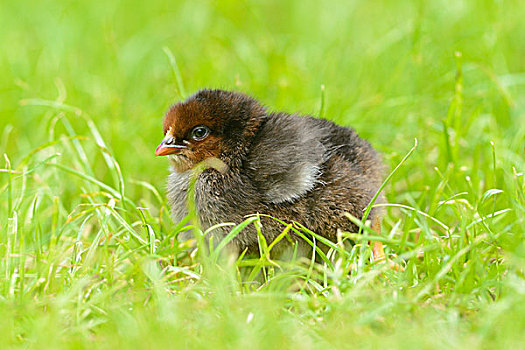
(291, 167)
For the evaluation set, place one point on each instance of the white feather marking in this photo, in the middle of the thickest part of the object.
(304, 180)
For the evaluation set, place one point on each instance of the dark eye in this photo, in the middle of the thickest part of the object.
(200, 132)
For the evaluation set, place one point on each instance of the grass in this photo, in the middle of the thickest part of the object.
(90, 258)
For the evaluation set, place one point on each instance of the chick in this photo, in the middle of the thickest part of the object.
(291, 167)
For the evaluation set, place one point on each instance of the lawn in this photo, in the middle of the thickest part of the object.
(89, 257)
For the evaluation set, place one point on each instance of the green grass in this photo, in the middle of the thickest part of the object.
(89, 256)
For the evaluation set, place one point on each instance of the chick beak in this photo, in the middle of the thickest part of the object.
(167, 146)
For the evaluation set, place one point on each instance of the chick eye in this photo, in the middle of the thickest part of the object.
(200, 132)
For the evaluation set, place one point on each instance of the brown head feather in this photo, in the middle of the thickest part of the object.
(231, 117)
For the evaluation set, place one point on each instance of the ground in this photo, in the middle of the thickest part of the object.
(90, 258)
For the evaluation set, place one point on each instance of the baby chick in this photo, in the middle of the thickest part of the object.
(291, 167)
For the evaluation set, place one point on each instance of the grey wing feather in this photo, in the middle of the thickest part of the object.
(286, 157)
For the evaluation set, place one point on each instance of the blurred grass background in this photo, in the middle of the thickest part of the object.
(449, 73)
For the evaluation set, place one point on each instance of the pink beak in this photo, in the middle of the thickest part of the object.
(163, 149)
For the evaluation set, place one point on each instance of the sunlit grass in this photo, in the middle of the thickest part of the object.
(89, 255)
